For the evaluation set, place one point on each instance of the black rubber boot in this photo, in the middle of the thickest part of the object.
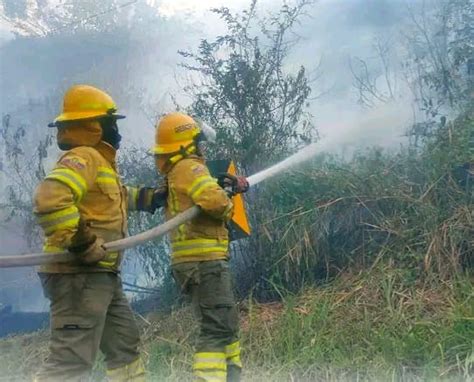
(233, 373)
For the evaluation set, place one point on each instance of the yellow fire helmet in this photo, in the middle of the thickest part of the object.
(86, 102)
(177, 130)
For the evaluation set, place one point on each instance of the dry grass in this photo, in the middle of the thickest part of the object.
(21, 356)
(368, 326)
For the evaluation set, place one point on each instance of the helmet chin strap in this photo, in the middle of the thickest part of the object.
(183, 153)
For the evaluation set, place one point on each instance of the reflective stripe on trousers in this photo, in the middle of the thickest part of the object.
(210, 366)
(232, 354)
(218, 366)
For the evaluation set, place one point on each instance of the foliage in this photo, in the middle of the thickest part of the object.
(256, 106)
(381, 245)
(375, 325)
(411, 208)
(371, 325)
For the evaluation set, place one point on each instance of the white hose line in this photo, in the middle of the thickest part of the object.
(117, 245)
(156, 232)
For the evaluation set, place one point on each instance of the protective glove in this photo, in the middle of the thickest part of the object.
(160, 196)
(242, 185)
(150, 199)
(233, 184)
(87, 246)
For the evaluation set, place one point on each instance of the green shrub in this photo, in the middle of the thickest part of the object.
(412, 208)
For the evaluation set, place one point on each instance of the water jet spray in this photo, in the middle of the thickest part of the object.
(154, 233)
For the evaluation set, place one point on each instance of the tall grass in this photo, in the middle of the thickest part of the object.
(412, 208)
(368, 326)
(373, 323)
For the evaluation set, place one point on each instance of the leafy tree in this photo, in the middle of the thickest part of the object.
(245, 92)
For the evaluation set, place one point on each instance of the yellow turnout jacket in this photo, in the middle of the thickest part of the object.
(84, 183)
(205, 237)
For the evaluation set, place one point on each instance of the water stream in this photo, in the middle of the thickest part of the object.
(303, 155)
(129, 242)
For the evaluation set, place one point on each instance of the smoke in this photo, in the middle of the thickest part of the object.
(19, 288)
(384, 126)
(175, 8)
(138, 66)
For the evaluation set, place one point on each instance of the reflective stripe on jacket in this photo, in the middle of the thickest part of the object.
(205, 237)
(84, 183)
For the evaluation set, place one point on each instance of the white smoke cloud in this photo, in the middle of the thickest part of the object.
(335, 31)
(382, 126)
(170, 8)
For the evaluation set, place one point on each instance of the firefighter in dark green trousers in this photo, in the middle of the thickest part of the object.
(80, 205)
(200, 247)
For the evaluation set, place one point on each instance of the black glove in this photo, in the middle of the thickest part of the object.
(160, 196)
(233, 184)
(151, 199)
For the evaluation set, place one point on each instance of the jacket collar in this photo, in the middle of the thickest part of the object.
(108, 152)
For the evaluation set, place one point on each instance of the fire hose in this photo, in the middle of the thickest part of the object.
(158, 231)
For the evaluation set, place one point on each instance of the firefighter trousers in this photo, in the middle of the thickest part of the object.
(89, 312)
(209, 286)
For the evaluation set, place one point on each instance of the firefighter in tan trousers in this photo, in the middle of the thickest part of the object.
(80, 205)
(200, 247)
